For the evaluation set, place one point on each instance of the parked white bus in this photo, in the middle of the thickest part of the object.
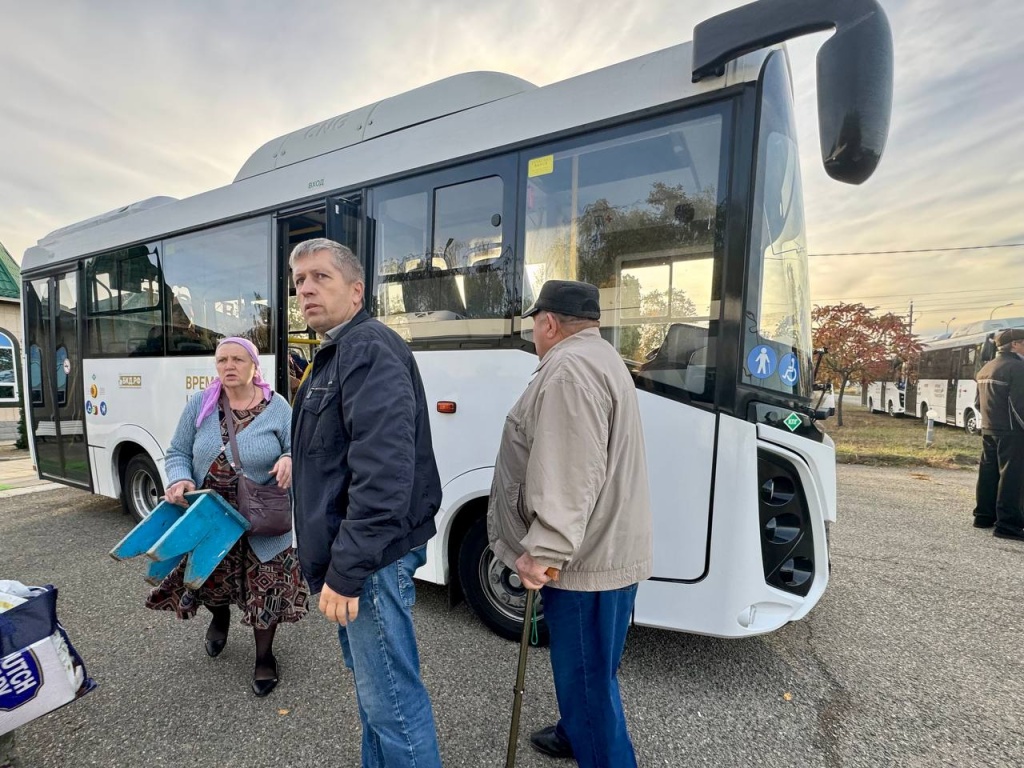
(671, 181)
(944, 379)
(887, 396)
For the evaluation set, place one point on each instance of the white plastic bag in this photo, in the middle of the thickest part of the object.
(39, 668)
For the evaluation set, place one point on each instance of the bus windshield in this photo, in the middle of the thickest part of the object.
(777, 327)
(636, 214)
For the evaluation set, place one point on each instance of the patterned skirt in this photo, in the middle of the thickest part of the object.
(267, 593)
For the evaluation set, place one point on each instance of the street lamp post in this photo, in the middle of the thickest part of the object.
(1001, 306)
(950, 321)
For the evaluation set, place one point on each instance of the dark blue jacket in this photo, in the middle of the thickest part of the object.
(365, 481)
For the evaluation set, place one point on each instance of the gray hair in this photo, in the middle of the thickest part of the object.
(573, 324)
(342, 257)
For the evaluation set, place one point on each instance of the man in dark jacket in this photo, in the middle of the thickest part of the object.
(1001, 474)
(366, 491)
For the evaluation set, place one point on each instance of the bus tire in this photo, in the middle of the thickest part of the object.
(871, 405)
(971, 422)
(141, 487)
(891, 410)
(924, 412)
(493, 590)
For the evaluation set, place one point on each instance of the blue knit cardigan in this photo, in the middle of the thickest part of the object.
(266, 439)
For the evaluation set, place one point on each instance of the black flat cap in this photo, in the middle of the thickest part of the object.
(1003, 337)
(568, 297)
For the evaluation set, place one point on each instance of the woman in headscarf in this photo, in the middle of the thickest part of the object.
(260, 575)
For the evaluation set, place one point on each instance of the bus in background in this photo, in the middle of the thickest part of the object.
(889, 395)
(944, 378)
(670, 181)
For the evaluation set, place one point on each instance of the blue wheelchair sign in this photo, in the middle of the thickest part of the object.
(789, 370)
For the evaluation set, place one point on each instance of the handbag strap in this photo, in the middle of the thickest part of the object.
(229, 420)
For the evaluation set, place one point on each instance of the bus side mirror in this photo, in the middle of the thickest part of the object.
(855, 74)
(854, 69)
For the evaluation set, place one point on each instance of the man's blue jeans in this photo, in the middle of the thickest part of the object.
(380, 649)
(588, 633)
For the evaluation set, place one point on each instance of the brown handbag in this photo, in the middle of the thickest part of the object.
(268, 508)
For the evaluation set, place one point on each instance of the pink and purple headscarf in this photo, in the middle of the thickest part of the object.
(211, 395)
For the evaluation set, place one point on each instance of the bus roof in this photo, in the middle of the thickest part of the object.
(971, 339)
(420, 105)
(407, 133)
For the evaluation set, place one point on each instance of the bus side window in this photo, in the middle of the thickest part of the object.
(443, 274)
(124, 309)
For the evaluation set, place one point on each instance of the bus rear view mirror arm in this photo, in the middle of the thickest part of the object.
(855, 69)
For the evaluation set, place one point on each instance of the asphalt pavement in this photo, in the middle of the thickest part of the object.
(912, 658)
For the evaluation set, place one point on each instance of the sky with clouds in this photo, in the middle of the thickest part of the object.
(107, 103)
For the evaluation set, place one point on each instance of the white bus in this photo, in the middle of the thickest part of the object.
(888, 396)
(944, 380)
(671, 181)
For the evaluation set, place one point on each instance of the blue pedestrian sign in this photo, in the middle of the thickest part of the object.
(789, 370)
(761, 362)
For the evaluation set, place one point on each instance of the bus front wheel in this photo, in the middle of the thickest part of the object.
(141, 488)
(492, 589)
(871, 405)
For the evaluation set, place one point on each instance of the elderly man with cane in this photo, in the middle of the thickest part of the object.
(570, 512)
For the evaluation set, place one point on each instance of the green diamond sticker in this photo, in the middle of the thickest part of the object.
(793, 421)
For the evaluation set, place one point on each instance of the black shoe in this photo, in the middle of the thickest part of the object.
(984, 522)
(548, 741)
(214, 645)
(262, 687)
(1001, 534)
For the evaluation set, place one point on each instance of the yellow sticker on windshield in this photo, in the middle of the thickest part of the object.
(539, 166)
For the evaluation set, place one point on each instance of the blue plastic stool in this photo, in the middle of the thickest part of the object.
(204, 532)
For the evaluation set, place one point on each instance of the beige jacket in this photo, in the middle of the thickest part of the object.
(570, 481)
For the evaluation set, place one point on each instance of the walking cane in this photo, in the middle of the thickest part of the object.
(517, 700)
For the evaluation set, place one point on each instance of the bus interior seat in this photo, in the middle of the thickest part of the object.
(680, 360)
(681, 342)
(484, 284)
(695, 375)
(425, 289)
(152, 344)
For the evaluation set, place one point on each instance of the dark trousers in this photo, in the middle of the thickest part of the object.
(588, 633)
(1000, 491)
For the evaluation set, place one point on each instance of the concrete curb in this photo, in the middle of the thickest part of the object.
(31, 489)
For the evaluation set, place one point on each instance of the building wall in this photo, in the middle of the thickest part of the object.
(10, 318)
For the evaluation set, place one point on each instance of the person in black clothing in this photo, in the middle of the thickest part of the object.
(366, 489)
(1000, 491)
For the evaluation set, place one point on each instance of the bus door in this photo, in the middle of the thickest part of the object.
(56, 390)
(952, 385)
(295, 343)
(339, 220)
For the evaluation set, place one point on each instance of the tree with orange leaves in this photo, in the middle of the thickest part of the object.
(861, 346)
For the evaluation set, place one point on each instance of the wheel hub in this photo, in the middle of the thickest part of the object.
(143, 493)
(503, 588)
